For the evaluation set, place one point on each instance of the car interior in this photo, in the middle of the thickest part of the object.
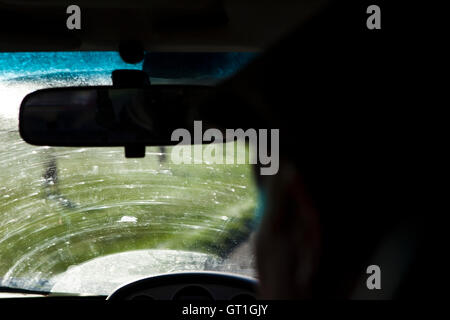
(122, 176)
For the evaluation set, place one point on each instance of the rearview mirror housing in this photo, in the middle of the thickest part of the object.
(109, 116)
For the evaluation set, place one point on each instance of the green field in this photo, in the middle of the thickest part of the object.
(103, 203)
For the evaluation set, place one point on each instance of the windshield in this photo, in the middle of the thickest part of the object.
(86, 220)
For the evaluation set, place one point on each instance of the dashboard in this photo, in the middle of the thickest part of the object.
(197, 286)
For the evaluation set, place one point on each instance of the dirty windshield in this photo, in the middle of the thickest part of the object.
(86, 220)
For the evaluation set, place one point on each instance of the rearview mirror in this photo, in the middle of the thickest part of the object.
(108, 116)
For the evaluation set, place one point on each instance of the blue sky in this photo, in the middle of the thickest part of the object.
(25, 64)
(34, 63)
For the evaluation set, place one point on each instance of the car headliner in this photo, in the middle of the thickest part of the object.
(160, 25)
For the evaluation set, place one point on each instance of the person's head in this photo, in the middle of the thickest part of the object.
(326, 88)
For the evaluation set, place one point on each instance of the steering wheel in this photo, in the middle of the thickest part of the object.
(206, 286)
